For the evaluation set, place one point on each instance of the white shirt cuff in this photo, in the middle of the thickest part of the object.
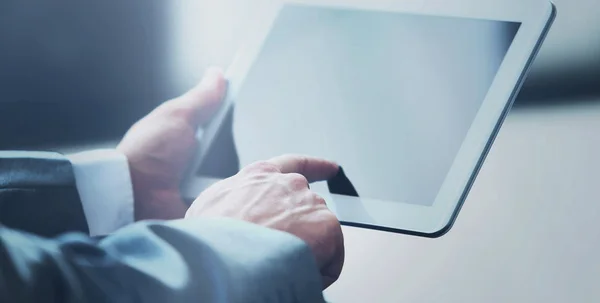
(105, 189)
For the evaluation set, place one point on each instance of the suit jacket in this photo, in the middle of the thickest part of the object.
(47, 256)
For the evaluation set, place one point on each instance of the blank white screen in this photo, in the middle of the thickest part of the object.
(389, 96)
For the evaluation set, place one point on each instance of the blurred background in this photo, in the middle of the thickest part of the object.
(73, 72)
(77, 74)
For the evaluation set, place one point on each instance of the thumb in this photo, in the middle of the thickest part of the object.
(198, 105)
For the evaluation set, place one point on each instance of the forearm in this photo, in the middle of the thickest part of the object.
(216, 260)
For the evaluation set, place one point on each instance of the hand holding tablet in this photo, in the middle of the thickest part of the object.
(407, 96)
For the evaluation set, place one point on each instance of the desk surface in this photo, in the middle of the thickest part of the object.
(528, 232)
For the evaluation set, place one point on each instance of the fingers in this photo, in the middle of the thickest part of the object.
(198, 105)
(314, 169)
(331, 269)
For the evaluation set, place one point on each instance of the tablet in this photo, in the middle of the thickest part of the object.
(407, 96)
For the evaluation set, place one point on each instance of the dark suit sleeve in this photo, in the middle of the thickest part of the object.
(46, 255)
(38, 194)
(210, 260)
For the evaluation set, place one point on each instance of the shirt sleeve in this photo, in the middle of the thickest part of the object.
(105, 189)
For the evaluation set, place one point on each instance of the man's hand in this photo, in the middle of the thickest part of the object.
(160, 145)
(276, 194)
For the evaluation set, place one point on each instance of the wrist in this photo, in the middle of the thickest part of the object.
(159, 205)
(154, 200)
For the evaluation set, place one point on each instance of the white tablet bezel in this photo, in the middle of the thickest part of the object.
(430, 221)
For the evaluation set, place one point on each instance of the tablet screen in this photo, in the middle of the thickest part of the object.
(389, 96)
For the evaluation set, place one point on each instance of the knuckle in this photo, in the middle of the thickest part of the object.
(173, 110)
(176, 127)
(182, 128)
(302, 163)
(262, 166)
(318, 200)
(181, 113)
(298, 181)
